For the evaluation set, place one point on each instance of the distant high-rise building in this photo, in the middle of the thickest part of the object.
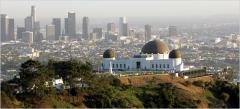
(27, 37)
(37, 35)
(122, 21)
(99, 32)
(37, 26)
(4, 27)
(50, 32)
(34, 23)
(125, 29)
(20, 30)
(172, 31)
(111, 27)
(93, 36)
(71, 24)
(85, 24)
(66, 27)
(29, 23)
(57, 23)
(33, 13)
(148, 32)
(11, 35)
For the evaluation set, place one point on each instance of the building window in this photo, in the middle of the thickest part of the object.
(152, 65)
(124, 65)
(163, 65)
(160, 65)
(167, 65)
(117, 65)
(120, 65)
(156, 66)
(112, 65)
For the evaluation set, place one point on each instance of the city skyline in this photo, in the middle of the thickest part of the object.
(107, 10)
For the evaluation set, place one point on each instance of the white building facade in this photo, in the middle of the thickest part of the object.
(155, 56)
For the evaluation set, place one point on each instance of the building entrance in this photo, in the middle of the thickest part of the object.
(138, 65)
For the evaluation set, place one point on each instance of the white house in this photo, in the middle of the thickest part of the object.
(57, 83)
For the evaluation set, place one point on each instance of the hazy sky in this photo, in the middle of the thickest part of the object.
(47, 9)
(110, 8)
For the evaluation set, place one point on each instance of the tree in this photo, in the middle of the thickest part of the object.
(28, 73)
(33, 76)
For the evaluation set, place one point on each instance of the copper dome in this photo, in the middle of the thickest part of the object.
(155, 47)
(109, 53)
(175, 54)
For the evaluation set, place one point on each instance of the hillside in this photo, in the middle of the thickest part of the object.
(191, 89)
(159, 78)
(104, 90)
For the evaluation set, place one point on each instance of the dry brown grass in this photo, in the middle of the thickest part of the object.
(190, 91)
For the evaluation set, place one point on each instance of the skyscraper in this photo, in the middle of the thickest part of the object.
(50, 32)
(125, 29)
(172, 31)
(27, 37)
(3, 27)
(29, 23)
(111, 27)
(66, 26)
(20, 30)
(71, 24)
(57, 23)
(85, 24)
(33, 14)
(148, 32)
(122, 20)
(11, 35)
(37, 35)
(98, 32)
(35, 29)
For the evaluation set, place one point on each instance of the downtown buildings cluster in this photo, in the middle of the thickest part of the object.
(62, 40)
(31, 31)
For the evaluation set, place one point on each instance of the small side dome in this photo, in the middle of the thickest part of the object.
(109, 53)
(175, 54)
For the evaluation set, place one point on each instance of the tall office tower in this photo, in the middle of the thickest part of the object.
(20, 30)
(37, 26)
(4, 27)
(36, 33)
(172, 31)
(27, 37)
(148, 32)
(66, 27)
(29, 23)
(85, 24)
(33, 13)
(72, 24)
(11, 35)
(57, 23)
(99, 32)
(111, 27)
(122, 21)
(50, 32)
(125, 29)
(34, 30)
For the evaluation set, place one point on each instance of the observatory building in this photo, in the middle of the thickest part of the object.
(154, 56)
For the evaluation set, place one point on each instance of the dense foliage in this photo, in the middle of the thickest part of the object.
(103, 90)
